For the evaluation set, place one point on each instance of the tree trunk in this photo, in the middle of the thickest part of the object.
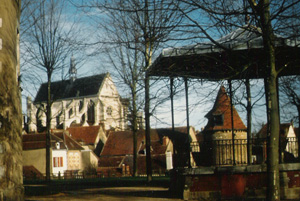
(273, 188)
(298, 134)
(147, 122)
(11, 174)
(134, 132)
(48, 130)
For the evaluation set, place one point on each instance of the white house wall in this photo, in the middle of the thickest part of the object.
(60, 153)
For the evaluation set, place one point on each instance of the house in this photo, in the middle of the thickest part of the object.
(67, 155)
(288, 141)
(92, 139)
(86, 101)
(75, 160)
(116, 158)
(34, 153)
(217, 134)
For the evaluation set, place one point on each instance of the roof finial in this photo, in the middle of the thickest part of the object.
(72, 70)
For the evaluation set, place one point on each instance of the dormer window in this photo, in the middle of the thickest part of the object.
(57, 144)
(218, 120)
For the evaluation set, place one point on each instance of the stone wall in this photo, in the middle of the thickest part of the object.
(11, 179)
(235, 182)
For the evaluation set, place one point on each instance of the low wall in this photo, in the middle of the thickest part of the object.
(238, 182)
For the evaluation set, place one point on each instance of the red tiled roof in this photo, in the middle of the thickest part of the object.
(31, 172)
(121, 143)
(111, 161)
(86, 134)
(38, 141)
(222, 107)
(283, 130)
(69, 141)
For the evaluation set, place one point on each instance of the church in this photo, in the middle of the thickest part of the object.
(86, 101)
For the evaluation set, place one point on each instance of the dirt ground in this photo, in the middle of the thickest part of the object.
(111, 194)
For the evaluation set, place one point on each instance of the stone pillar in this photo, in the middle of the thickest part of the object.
(11, 179)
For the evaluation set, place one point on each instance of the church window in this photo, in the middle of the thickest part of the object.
(70, 112)
(80, 105)
(91, 113)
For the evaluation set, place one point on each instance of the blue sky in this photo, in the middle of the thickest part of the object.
(95, 65)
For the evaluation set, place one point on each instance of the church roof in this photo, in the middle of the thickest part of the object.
(222, 110)
(85, 86)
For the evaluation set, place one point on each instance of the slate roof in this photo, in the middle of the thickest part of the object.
(85, 86)
(222, 107)
(85, 134)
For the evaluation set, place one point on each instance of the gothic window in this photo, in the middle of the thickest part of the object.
(82, 119)
(109, 111)
(218, 120)
(80, 105)
(91, 113)
(70, 112)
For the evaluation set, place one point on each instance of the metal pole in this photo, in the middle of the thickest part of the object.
(232, 123)
(172, 114)
(187, 119)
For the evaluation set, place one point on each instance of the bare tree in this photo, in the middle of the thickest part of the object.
(136, 29)
(48, 41)
(289, 86)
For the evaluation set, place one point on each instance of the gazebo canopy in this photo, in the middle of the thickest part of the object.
(238, 55)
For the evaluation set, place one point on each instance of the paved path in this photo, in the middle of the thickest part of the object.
(111, 194)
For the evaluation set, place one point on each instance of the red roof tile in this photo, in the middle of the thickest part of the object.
(222, 107)
(121, 143)
(86, 134)
(32, 172)
(283, 130)
(38, 141)
(69, 141)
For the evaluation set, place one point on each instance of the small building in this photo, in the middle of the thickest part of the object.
(34, 153)
(288, 142)
(217, 136)
(116, 157)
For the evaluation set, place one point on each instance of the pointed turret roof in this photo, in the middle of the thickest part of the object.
(219, 117)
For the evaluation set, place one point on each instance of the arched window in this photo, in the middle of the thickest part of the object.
(70, 112)
(91, 113)
(80, 105)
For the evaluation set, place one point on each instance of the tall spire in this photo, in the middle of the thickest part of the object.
(72, 70)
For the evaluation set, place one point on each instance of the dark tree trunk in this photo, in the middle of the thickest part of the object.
(48, 130)
(273, 188)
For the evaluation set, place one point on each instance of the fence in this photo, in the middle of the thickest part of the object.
(225, 152)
